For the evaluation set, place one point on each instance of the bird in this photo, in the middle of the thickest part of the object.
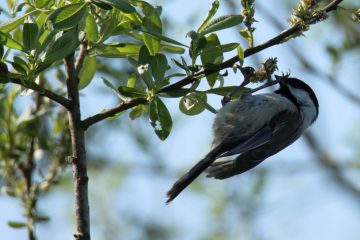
(254, 127)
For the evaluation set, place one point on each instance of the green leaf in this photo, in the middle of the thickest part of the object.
(30, 31)
(159, 66)
(67, 16)
(131, 92)
(212, 54)
(214, 7)
(14, 224)
(172, 49)
(246, 34)
(8, 26)
(131, 81)
(118, 50)
(18, 67)
(102, 5)
(62, 47)
(146, 75)
(146, 7)
(91, 29)
(193, 103)
(160, 118)
(137, 111)
(176, 93)
(87, 71)
(43, 3)
(109, 85)
(22, 62)
(152, 23)
(120, 4)
(144, 56)
(240, 53)
(223, 91)
(7, 40)
(1, 51)
(229, 47)
(221, 23)
(45, 40)
(162, 37)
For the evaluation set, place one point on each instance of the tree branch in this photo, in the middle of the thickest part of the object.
(112, 112)
(79, 153)
(45, 93)
(227, 64)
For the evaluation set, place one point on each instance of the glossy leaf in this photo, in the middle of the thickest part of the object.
(137, 111)
(30, 31)
(91, 28)
(214, 49)
(159, 66)
(146, 75)
(131, 81)
(14, 224)
(131, 92)
(176, 93)
(245, 34)
(120, 4)
(8, 26)
(146, 7)
(214, 7)
(102, 4)
(67, 16)
(160, 118)
(87, 71)
(162, 37)
(7, 40)
(223, 91)
(43, 3)
(172, 49)
(109, 85)
(1, 52)
(193, 103)
(240, 53)
(152, 23)
(120, 50)
(212, 54)
(144, 56)
(221, 23)
(62, 47)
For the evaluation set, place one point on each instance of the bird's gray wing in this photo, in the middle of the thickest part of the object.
(274, 134)
(262, 136)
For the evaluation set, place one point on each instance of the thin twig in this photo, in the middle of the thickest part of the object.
(46, 93)
(86, 123)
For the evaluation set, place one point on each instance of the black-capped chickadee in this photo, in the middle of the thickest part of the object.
(255, 127)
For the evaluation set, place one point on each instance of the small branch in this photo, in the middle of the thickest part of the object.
(86, 123)
(46, 93)
(248, 52)
(81, 57)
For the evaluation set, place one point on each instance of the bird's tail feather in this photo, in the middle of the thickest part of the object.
(193, 173)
